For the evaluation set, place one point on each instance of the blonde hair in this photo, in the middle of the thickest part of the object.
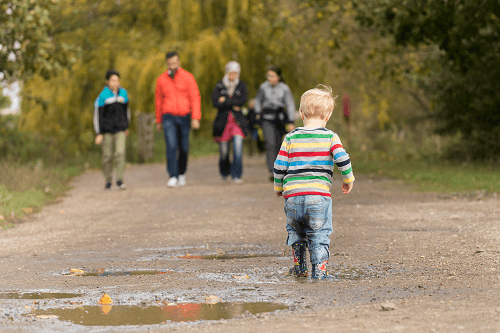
(317, 102)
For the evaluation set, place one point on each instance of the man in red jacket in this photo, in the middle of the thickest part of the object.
(177, 110)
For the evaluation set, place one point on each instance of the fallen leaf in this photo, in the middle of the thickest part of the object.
(105, 299)
(2, 217)
(76, 271)
(28, 210)
(106, 308)
(241, 276)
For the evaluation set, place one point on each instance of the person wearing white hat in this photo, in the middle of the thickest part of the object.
(230, 125)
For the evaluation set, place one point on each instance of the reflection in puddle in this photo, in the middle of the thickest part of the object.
(103, 272)
(136, 315)
(37, 295)
(223, 256)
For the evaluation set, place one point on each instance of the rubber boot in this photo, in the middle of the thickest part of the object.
(319, 271)
(299, 259)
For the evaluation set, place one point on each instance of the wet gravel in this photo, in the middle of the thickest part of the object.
(434, 256)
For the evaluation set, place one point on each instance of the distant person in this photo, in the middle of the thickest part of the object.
(273, 97)
(255, 137)
(230, 125)
(111, 122)
(178, 108)
(303, 176)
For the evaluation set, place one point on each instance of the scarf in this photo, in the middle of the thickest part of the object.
(230, 85)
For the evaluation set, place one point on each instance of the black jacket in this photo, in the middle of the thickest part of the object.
(239, 98)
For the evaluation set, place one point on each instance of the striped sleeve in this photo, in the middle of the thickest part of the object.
(341, 160)
(281, 166)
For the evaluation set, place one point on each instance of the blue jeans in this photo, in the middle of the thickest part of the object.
(176, 130)
(226, 168)
(309, 219)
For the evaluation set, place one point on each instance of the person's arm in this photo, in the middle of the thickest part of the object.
(194, 98)
(97, 116)
(281, 168)
(343, 163)
(290, 105)
(216, 97)
(126, 110)
(158, 101)
(259, 100)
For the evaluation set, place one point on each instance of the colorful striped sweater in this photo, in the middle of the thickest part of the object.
(304, 165)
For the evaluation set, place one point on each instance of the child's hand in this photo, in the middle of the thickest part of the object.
(98, 139)
(279, 194)
(222, 99)
(346, 188)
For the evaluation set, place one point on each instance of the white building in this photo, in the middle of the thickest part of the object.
(13, 92)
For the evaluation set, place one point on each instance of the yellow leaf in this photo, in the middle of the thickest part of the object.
(241, 276)
(105, 299)
(75, 271)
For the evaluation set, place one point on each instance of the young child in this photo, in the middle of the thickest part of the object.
(111, 121)
(303, 175)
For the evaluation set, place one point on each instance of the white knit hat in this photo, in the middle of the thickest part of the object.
(233, 66)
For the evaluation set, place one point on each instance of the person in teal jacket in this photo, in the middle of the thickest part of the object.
(111, 122)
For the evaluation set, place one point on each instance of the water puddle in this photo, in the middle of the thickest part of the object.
(105, 272)
(37, 295)
(109, 315)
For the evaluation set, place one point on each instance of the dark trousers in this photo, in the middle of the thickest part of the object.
(273, 136)
(176, 130)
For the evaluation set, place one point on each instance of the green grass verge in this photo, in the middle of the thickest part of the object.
(435, 176)
(25, 188)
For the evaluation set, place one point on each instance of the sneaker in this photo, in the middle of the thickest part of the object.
(224, 179)
(107, 187)
(271, 178)
(237, 181)
(120, 185)
(299, 268)
(182, 180)
(173, 182)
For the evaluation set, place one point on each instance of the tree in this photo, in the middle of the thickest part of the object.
(464, 87)
(26, 46)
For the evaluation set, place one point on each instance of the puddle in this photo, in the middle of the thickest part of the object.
(104, 272)
(37, 295)
(224, 256)
(108, 315)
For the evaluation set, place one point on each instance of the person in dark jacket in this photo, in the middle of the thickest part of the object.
(274, 97)
(111, 121)
(230, 125)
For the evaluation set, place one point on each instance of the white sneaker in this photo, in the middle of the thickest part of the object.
(182, 180)
(173, 182)
(238, 181)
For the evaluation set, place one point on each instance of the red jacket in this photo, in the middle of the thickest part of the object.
(178, 96)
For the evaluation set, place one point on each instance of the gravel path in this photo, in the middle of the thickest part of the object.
(434, 257)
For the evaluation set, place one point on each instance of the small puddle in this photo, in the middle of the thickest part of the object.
(37, 295)
(103, 272)
(227, 256)
(108, 315)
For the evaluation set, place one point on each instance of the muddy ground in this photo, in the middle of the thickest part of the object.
(435, 257)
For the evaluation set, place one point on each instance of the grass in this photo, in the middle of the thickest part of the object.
(25, 188)
(435, 176)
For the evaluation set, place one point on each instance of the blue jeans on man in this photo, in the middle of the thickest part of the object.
(176, 130)
(234, 168)
(309, 219)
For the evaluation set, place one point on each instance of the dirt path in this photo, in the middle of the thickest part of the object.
(435, 258)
